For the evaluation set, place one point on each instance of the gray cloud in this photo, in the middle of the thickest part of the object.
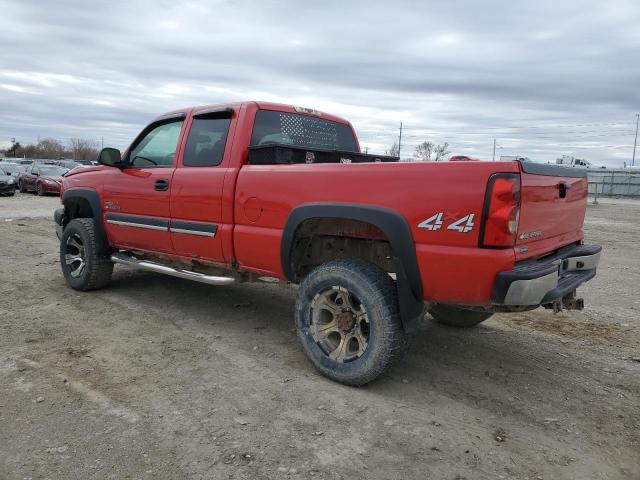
(545, 78)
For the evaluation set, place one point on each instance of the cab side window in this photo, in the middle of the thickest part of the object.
(206, 141)
(158, 147)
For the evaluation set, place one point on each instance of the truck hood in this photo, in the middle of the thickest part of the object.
(77, 171)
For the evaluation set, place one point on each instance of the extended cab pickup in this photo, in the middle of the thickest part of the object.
(237, 192)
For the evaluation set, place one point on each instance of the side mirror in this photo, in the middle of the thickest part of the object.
(110, 157)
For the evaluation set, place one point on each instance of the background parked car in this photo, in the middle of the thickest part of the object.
(42, 179)
(12, 169)
(7, 185)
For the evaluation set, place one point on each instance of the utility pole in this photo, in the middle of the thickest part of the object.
(494, 149)
(400, 141)
(635, 142)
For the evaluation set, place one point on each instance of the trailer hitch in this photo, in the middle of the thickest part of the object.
(568, 302)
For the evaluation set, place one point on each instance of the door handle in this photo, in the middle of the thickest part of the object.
(162, 185)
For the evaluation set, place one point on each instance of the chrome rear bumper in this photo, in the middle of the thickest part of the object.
(540, 282)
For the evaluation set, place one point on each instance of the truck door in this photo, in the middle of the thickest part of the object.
(137, 197)
(196, 194)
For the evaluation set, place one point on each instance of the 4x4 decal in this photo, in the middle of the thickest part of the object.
(435, 222)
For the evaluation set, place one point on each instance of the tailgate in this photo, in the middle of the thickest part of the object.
(553, 205)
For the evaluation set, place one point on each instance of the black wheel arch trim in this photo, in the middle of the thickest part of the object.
(92, 197)
(391, 223)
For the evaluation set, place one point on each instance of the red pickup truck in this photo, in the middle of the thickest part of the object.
(237, 192)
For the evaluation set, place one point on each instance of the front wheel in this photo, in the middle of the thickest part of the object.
(348, 321)
(457, 316)
(40, 189)
(22, 188)
(82, 265)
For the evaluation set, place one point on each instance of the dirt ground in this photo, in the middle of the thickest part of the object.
(156, 377)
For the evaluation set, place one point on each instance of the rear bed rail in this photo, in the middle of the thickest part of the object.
(276, 154)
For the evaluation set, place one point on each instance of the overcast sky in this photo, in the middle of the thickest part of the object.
(544, 78)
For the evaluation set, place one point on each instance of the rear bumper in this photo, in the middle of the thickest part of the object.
(540, 282)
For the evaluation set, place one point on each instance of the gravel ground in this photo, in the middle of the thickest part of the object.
(155, 377)
(28, 205)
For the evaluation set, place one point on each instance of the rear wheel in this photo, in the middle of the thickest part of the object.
(82, 265)
(348, 321)
(457, 316)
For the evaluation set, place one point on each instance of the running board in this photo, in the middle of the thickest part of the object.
(125, 259)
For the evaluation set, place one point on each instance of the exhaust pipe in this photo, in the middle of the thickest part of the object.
(125, 259)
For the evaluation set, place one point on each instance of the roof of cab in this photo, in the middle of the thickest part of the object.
(262, 106)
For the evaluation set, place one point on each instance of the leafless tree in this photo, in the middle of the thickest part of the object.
(50, 148)
(441, 152)
(82, 149)
(430, 152)
(423, 151)
(394, 150)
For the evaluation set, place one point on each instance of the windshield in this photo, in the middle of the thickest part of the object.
(283, 128)
(53, 171)
(11, 169)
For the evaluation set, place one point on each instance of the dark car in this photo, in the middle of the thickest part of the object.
(7, 183)
(42, 179)
(12, 169)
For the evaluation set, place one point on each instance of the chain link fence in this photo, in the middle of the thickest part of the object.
(614, 183)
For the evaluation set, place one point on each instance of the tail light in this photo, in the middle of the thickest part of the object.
(501, 211)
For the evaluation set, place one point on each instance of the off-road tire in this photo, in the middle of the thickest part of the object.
(376, 292)
(98, 268)
(457, 316)
(40, 190)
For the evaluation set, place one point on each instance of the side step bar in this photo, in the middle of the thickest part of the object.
(125, 259)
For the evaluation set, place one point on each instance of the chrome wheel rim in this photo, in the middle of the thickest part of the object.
(339, 324)
(75, 256)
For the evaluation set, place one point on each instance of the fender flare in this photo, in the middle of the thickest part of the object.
(391, 223)
(92, 197)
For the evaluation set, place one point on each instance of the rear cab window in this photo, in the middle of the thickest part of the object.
(297, 130)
